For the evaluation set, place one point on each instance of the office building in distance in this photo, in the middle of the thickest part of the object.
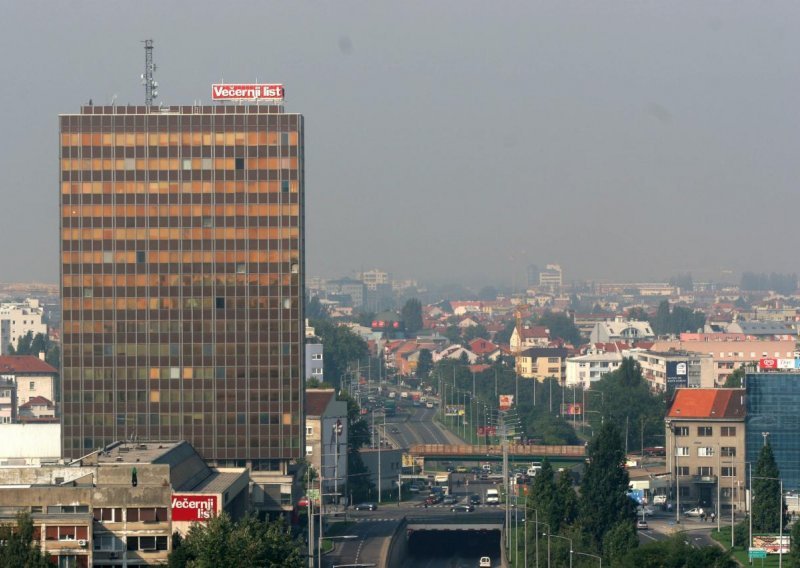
(182, 262)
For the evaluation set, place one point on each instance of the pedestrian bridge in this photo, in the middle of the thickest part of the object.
(494, 452)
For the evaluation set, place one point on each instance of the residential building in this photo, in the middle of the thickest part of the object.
(37, 409)
(8, 401)
(34, 379)
(315, 363)
(587, 322)
(119, 506)
(182, 266)
(729, 355)
(583, 370)
(671, 369)
(354, 289)
(705, 441)
(529, 336)
(763, 330)
(772, 402)
(541, 363)
(326, 437)
(455, 352)
(551, 278)
(384, 465)
(374, 278)
(621, 329)
(17, 319)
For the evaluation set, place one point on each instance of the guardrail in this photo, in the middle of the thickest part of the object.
(447, 450)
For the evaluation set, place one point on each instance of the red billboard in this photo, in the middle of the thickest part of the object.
(247, 92)
(768, 363)
(193, 507)
(506, 401)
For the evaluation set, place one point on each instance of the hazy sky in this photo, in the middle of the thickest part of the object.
(455, 140)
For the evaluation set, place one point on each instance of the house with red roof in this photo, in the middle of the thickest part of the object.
(529, 336)
(32, 377)
(705, 446)
(37, 409)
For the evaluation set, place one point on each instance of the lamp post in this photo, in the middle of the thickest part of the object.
(600, 558)
(548, 535)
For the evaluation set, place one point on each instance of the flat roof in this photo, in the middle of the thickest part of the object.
(131, 453)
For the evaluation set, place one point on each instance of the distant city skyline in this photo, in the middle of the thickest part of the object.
(624, 142)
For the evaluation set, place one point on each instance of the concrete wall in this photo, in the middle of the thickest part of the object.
(27, 441)
(397, 549)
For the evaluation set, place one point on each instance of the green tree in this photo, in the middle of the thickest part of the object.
(561, 326)
(30, 344)
(619, 540)
(794, 553)
(342, 347)
(358, 435)
(250, 543)
(638, 313)
(735, 380)
(424, 363)
(17, 546)
(476, 331)
(675, 553)
(411, 313)
(543, 496)
(604, 501)
(767, 500)
(453, 333)
(315, 310)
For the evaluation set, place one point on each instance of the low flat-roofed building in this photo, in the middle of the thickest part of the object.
(671, 369)
(541, 363)
(583, 370)
(120, 505)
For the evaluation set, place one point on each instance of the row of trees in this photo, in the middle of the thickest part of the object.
(600, 518)
(30, 344)
(677, 319)
(781, 283)
(249, 542)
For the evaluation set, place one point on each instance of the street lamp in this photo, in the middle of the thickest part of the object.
(548, 535)
(600, 558)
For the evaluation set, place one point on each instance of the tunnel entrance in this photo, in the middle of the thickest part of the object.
(468, 545)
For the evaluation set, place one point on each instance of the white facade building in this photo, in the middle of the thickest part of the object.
(17, 319)
(582, 371)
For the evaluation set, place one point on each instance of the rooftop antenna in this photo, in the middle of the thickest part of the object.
(150, 85)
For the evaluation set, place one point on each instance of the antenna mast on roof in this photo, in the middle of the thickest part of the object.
(150, 85)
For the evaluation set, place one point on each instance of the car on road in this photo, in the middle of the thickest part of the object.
(696, 512)
(394, 430)
(648, 511)
(485, 562)
(450, 500)
(641, 524)
(475, 499)
(461, 469)
(366, 507)
(428, 405)
(433, 499)
(462, 508)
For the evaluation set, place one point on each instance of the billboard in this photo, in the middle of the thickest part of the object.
(487, 431)
(677, 374)
(193, 507)
(769, 363)
(454, 410)
(572, 409)
(772, 543)
(506, 401)
(247, 92)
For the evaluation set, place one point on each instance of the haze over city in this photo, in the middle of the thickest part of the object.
(455, 140)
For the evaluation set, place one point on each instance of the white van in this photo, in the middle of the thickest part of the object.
(492, 497)
(533, 470)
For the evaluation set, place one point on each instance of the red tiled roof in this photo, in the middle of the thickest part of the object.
(535, 332)
(36, 401)
(482, 346)
(317, 401)
(707, 403)
(24, 364)
(478, 368)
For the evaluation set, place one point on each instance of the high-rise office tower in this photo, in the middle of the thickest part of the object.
(182, 261)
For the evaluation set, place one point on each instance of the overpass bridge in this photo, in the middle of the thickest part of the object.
(478, 521)
(516, 452)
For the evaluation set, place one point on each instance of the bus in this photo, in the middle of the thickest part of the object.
(390, 407)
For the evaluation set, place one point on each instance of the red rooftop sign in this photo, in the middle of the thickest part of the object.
(247, 92)
(193, 507)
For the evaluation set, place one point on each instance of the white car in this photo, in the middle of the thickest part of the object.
(648, 511)
(696, 512)
(485, 562)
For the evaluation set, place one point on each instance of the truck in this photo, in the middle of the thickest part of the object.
(404, 394)
(492, 497)
(390, 407)
(416, 395)
(392, 394)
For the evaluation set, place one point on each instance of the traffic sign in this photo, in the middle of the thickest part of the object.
(758, 553)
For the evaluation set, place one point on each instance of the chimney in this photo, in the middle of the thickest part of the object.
(41, 355)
